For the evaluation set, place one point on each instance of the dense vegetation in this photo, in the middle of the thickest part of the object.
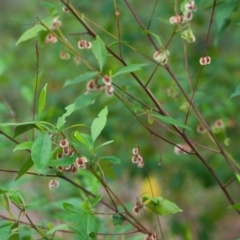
(118, 120)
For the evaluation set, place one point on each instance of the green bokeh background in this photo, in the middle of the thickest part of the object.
(181, 179)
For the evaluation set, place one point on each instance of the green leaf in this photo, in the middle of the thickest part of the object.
(117, 219)
(222, 16)
(105, 143)
(161, 206)
(99, 123)
(238, 177)
(84, 139)
(14, 232)
(57, 228)
(81, 102)
(236, 93)
(155, 35)
(41, 150)
(99, 51)
(111, 159)
(81, 235)
(6, 202)
(88, 224)
(15, 124)
(25, 167)
(32, 32)
(235, 206)
(70, 208)
(23, 146)
(2, 191)
(48, 5)
(64, 161)
(16, 197)
(129, 68)
(82, 78)
(23, 128)
(107, 169)
(42, 100)
(171, 121)
(96, 200)
(5, 231)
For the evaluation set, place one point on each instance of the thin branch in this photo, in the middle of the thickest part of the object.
(154, 8)
(210, 24)
(36, 86)
(141, 24)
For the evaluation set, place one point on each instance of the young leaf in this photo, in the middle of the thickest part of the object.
(25, 167)
(41, 150)
(71, 208)
(155, 35)
(6, 202)
(99, 51)
(42, 100)
(65, 161)
(161, 206)
(96, 200)
(81, 102)
(105, 143)
(171, 121)
(32, 32)
(99, 123)
(129, 68)
(84, 139)
(111, 159)
(57, 228)
(236, 93)
(16, 197)
(82, 78)
(23, 146)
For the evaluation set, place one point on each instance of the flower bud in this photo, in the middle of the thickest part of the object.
(190, 6)
(50, 38)
(80, 162)
(188, 16)
(135, 151)
(65, 9)
(205, 60)
(53, 184)
(56, 24)
(64, 55)
(63, 143)
(77, 60)
(92, 85)
(87, 45)
(161, 57)
(107, 80)
(201, 129)
(59, 168)
(109, 90)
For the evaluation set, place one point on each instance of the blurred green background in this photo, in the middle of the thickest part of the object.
(181, 179)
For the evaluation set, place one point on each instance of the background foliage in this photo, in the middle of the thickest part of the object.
(181, 179)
